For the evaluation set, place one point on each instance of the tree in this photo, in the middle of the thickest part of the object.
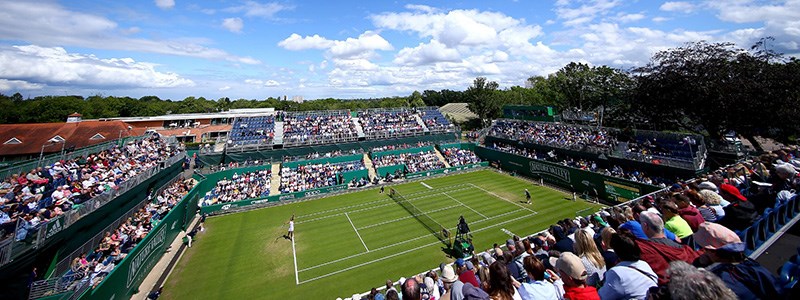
(415, 100)
(483, 99)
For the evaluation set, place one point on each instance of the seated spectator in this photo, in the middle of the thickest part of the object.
(313, 176)
(573, 274)
(688, 212)
(248, 185)
(657, 250)
(542, 284)
(690, 283)
(501, 286)
(725, 253)
(631, 278)
(460, 157)
(591, 258)
(674, 222)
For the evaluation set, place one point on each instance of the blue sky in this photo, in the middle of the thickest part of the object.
(255, 49)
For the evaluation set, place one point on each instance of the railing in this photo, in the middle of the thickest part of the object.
(59, 281)
(29, 165)
(37, 236)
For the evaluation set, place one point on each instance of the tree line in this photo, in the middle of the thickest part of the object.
(700, 87)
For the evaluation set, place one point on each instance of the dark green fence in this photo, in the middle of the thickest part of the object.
(125, 279)
(608, 189)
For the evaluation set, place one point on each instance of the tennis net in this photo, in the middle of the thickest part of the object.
(439, 231)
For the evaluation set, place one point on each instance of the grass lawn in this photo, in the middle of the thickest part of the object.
(349, 243)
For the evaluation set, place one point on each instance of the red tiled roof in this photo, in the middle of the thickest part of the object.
(77, 134)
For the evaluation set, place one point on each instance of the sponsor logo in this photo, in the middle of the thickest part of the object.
(54, 227)
(286, 197)
(311, 193)
(146, 250)
(226, 207)
(554, 171)
(259, 201)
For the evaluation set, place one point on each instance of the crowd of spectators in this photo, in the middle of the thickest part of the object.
(252, 130)
(414, 162)
(434, 119)
(460, 157)
(584, 164)
(91, 268)
(239, 187)
(316, 155)
(46, 192)
(389, 122)
(313, 176)
(556, 135)
(682, 243)
(319, 127)
(400, 146)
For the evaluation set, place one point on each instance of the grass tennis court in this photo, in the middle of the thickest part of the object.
(349, 243)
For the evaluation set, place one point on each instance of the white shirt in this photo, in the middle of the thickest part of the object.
(291, 225)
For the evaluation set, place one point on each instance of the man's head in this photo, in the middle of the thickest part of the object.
(652, 224)
(448, 275)
(389, 284)
(461, 265)
(625, 247)
(534, 267)
(571, 269)
(785, 171)
(669, 208)
(681, 200)
(688, 282)
(510, 245)
(411, 289)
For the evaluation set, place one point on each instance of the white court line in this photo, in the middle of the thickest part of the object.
(396, 244)
(454, 187)
(403, 252)
(370, 208)
(294, 254)
(406, 217)
(462, 204)
(501, 197)
(358, 234)
(427, 186)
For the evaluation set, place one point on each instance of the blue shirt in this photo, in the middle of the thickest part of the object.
(636, 228)
(625, 282)
(543, 290)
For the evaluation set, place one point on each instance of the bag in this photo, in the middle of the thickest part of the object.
(739, 215)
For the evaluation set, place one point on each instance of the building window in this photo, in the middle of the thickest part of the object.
(97, 137)
(57, 139)
(13, 141)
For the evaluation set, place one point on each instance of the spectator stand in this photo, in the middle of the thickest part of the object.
(28, 235)
(459, 154)
(321, 173)
(434, 120)
(686, 151)
(577, 138)
(389, 162)
(60, 279)
(318, 127)
(381, 123)
(252, 132)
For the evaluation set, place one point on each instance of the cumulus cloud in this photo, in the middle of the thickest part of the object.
(257, 9)
(48, 24)
(584, 13)
(15, 85)
(55, 66)
(224, 88)
(423, 54)
(677, 6)
(778, 19)
(259, 82)
(362, 46)
(234, 25)
(165, 4)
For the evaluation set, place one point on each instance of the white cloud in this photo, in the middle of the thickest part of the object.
(422, 8)
(780, 20)
(424, 54)
(234, 25)
(678, 6)
(14, 85)
(259, 82)
(364, 45)
(586, 12)
(55, 66)
(660, 19)
(165, 4)
(627, 18)
(49, 24)
(257, 9)
(224, 88)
